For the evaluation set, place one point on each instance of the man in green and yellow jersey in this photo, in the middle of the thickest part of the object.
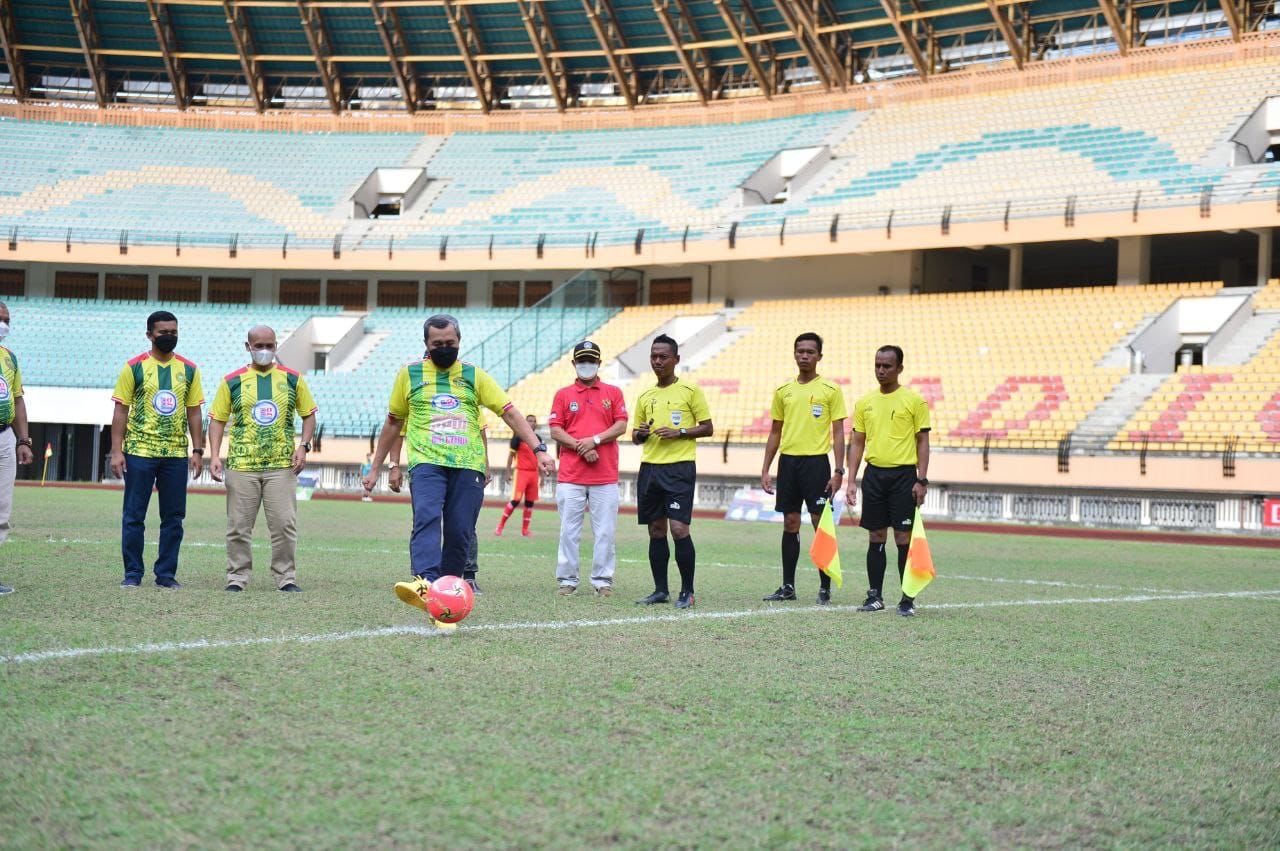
(15, 440)
(808, 422)
(669, 417)
(440, 397)
(261, 401)
(158, 398)
(891, 431)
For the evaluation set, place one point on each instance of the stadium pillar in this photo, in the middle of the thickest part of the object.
(1265, 256)
(1133, 264)
(1015, 267)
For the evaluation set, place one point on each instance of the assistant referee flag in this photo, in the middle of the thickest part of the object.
(919, 571)
(824, 550)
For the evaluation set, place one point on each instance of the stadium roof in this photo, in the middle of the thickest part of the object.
(550, 54)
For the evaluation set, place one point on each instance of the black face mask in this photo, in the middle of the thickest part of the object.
(166, 343)
(443, 356)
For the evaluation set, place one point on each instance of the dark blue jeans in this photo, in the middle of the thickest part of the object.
(169, 476)
(446, 503)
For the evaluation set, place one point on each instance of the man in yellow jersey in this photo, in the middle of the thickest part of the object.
(891, 430)
(808, 422)
(440, 398)
(260, 401)
(158, 398)
(669, 417)
(15, 442)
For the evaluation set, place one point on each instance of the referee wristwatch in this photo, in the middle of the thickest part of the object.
(839, 471)
(306, 447)
(684, 432)
(924, 482)
(541, 447)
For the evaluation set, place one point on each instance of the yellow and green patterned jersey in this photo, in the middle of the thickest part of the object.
(442, 411)
(261, 407)
(157, 395)
(10, 385)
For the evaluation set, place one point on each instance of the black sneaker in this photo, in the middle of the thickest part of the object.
(130, 583)
(171, 584)
(786, 592)
(654, 598)
(5, 589)
(685, 600)
(907, 608)
(291, 588)
(235, 588)
(475, 586)
(824, 597)
(873, 603)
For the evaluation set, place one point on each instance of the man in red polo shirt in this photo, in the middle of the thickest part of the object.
(587, 418)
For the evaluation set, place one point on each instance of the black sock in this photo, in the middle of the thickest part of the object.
(824, 581)
(685, 561)
(790, 556)
(659, 555)
(876, 563)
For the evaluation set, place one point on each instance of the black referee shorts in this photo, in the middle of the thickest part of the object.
(802, 480)
(887, 501)
(665, 490)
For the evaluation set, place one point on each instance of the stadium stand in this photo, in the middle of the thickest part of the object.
(1020, 367)
(77, 343)
(1201, 408)
(1105, 139)
(1102, 140)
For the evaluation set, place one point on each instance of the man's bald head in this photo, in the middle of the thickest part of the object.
(261, 336)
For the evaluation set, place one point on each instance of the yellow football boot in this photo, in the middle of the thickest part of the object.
(444, 627)
(414, 592)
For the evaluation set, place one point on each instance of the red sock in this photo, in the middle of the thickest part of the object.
(506, 514)
(524, 525)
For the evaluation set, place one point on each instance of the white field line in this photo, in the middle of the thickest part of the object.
(429, 632)
(718, 564)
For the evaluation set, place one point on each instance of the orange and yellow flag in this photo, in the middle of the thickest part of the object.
(824, 551)
(919, 571)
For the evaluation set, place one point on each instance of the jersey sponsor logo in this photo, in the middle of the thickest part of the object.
(4, 390)
(817, 411)
(676, 417)
(444, 402)
(573, 406)
(266, 412)
(165, 402)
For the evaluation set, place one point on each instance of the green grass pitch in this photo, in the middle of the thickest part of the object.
(1050, 693)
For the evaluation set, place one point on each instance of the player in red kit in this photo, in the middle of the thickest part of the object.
(526, 482)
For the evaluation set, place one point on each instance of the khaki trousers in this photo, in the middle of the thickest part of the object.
(275, 491)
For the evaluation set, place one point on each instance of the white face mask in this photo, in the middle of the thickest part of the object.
(586, 370)
(262, 357)
(4, 330)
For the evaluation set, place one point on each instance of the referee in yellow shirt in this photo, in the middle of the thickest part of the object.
(891, 430)
(808, 422)
(668, 418)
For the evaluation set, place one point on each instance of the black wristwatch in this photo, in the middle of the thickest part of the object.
(684, 432)
(924, 482)
(24, 441)
(197, 451)
(839, 471)
(306, 447)
(541, 447)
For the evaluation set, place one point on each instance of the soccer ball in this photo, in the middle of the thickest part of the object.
(450, 599)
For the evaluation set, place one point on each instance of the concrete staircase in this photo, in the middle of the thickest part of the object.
(1248, 339)
(1102, 424)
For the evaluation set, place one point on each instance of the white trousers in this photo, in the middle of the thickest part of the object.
(573, 501)
(8, 472)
